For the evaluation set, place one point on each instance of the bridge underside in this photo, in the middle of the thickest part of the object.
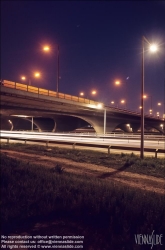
(21, 110)
(62, 123)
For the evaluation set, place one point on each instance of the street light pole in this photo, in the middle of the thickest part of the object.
(47, 49)
(37, 74)
(164, 95)
(29, 82)
(105, 121)
(151, 101)
(153, 48)
(150, 110)
(32, 124)
(58, 68)
(164, 100)
(142, 104)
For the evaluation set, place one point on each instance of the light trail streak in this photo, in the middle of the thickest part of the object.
(130, 141)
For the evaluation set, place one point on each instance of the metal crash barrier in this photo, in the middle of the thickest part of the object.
(109, 148)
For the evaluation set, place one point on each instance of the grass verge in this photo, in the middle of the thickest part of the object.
(127, 162)
(30, 191)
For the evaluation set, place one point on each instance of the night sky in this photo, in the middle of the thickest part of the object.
(99, 42)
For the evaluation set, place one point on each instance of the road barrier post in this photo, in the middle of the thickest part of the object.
(109, 149)
(156, 152)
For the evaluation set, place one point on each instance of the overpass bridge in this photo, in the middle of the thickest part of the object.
(23, 105)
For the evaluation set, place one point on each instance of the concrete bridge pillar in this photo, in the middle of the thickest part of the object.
(68, 123)
(135, 127)
(98, 123)
(44, 124)
(159, 126)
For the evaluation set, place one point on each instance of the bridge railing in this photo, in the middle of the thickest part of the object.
(132, 112)
(41, 91)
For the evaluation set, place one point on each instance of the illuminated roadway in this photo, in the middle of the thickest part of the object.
(131, 141)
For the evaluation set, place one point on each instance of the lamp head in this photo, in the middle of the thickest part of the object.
(37, 74)
(94, 92)
(99, 105)
(153, 47)
(46, 48)
(117, 82)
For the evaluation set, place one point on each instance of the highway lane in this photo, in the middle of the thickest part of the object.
(149, 142)
(87, 134)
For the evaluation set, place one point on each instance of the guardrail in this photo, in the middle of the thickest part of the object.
(81, 144)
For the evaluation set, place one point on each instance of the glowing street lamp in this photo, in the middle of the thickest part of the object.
(158, 113)
(46, 48)
(151, 102)
(145, 96)
(117, 82)
(115, 103)
(121, 82)
(100, 105)
(93, 92)
(24, 79)
(123, 102)
(36, 75)
(153, 48)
